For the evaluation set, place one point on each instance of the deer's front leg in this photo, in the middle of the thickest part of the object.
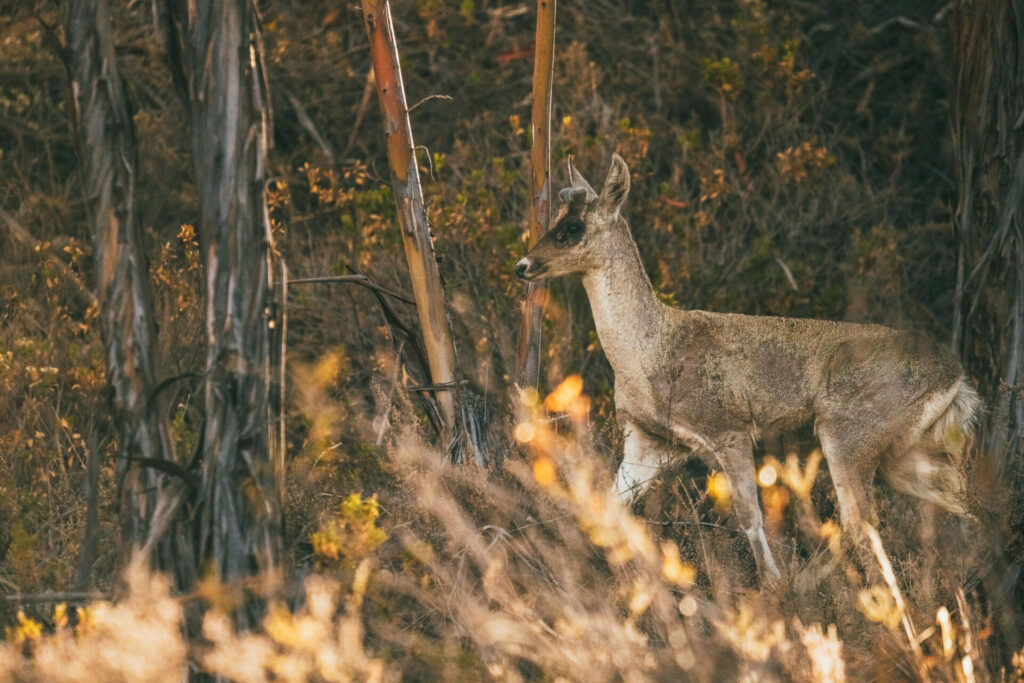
(643, 457)
(735, 455)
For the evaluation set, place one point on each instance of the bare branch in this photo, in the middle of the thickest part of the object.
(67, 596)
(361, 280)
(307, 124)
(446, 98)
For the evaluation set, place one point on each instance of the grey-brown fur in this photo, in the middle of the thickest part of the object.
(713, 383)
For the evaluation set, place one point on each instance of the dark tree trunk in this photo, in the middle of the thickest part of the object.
(216, 51)
(988, 127)
(988, 130)
(101, 116)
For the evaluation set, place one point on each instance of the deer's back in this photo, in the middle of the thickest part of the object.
(729, 372)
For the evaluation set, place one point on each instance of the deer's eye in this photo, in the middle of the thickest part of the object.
(574, 228)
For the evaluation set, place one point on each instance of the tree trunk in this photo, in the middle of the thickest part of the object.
(988, 128)
(412, 215)
(220, 70)
(102, 118)
(528, 352)
(988, 132)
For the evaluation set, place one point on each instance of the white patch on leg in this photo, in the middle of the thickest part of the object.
(762, 553)
(641, 462)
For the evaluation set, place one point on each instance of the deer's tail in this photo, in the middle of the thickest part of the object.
(954, 428)
(931, 467)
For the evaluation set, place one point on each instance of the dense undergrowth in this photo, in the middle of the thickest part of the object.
(787, 159)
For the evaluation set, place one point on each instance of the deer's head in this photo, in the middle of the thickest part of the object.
(583, 233)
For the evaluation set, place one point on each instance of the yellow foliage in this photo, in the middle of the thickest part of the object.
(674, 569)
(27, 630)
(720, 490)
(326, 370)
(877, 604)
(799, 481)
(544, 470)
(798, 163)
(353, 534)
(564, 394)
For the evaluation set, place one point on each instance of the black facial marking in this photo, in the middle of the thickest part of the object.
(569, 231)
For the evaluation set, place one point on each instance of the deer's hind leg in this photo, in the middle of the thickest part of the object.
(852, 458)
(735, 454)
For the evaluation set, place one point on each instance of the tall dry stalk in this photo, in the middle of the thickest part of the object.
(412, 215)
(527, 372)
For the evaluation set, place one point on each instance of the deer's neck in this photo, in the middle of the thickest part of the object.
(627, 313)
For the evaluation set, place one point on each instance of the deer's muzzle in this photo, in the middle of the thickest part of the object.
(527, 269)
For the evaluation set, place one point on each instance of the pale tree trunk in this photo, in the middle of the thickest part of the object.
(988, 127)
(221, 73)
(527, 372)
(102, 118)
(412, 215)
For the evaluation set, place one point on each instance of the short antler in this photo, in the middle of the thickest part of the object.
(578, 181)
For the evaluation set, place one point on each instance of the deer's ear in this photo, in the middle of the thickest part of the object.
(576, 179)
(616, 185)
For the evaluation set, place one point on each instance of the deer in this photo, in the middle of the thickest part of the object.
(696, 382)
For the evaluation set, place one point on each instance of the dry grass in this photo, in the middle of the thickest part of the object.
(536, 572)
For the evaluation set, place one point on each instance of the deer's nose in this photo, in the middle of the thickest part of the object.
(522, 267)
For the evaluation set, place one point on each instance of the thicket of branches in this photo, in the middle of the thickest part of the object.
(787, 159)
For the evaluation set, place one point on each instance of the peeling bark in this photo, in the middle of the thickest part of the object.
(222, 76)
(527, 372)
(988, 136)
(988, 128)
(412, 215)
(102, 117)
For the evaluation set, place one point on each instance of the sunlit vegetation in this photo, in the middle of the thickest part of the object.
(787, 158)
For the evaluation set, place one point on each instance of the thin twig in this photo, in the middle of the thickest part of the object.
(447, 98)
(167, 467)
(364, 103)
(282, 377)
(307, 123)
(361, 280)
(442, 385)
(890, 580)
(67, 596)
(88, 550)
(905, 22)
(392, 318)
(430, 160)
(968, 640)
(789, 274)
